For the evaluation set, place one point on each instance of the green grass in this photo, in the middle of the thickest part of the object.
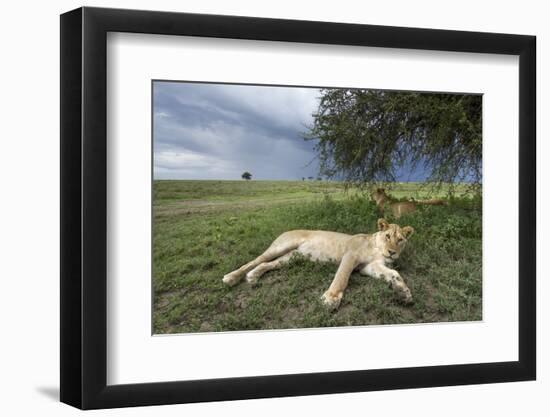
(205, 229)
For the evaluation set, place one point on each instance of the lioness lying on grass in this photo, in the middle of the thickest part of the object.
(369, 254)
(399, 208)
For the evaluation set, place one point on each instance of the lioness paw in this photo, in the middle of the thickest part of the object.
(231, 279)
(332, 301)
(252, 278)
(406, 296)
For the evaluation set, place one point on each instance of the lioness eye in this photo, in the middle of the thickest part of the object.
(399, 240)
(388, 236)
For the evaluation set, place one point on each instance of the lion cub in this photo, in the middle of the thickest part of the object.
(370, 254)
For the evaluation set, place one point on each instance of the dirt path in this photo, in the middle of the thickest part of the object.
(208, 206)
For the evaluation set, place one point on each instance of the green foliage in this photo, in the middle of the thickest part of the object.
(204, 229)
(246, 175)
(365, 136)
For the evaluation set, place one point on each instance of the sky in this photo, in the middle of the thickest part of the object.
(218, 131)
(207, 131)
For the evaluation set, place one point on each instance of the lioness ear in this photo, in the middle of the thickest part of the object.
(407, 231)
(383, 224)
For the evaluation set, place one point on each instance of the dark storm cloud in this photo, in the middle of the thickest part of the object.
(200, 104)
(218, 131)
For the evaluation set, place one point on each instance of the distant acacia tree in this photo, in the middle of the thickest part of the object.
(367, 136)
(246, 176)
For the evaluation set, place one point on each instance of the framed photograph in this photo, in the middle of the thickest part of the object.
(257, 207)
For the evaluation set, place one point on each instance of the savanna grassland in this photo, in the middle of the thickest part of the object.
(205, 229)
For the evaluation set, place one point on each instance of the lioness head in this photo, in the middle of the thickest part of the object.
(393, 238)
(379, 194)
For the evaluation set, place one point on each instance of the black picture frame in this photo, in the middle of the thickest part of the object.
(84, 207)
